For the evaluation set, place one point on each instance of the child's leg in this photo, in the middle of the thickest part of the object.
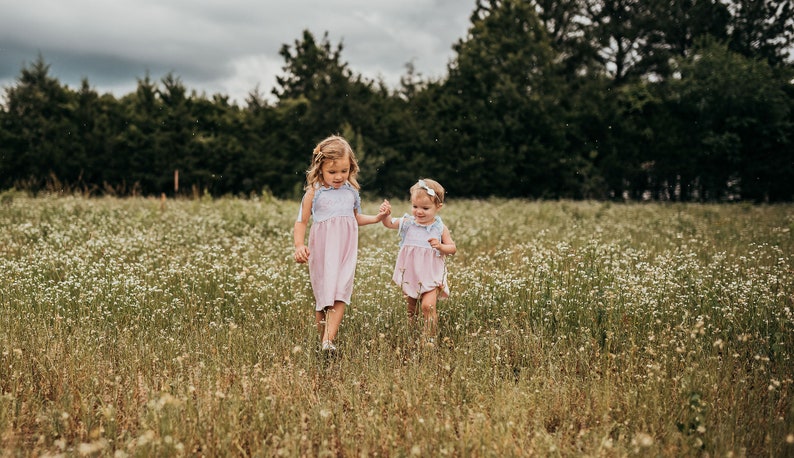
(319, 318)
(411, 306)
(333, 318)
(429, 312)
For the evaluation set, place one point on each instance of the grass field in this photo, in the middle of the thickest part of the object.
(133, 328)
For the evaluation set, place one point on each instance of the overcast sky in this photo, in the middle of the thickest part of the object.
(222, 46)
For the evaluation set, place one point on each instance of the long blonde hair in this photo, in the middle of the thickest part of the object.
(333, 148)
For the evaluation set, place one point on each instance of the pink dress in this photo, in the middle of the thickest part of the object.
(420, 268)
(333, 244)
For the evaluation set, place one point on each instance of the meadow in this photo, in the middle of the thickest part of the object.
(133, 327)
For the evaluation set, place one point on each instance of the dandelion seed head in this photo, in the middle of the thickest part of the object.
(145, 438)
(91, 448)
(643, 440)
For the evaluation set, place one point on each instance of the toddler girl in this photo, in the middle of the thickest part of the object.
(424, 243)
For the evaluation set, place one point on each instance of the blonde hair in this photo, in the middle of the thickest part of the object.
(426, 184)
(333, 148)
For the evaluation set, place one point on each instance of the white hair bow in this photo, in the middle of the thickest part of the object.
(423, 185)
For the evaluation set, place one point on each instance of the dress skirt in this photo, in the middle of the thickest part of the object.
(333, 246)
(419, 270)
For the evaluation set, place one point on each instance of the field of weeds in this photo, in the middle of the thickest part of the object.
(129, 327)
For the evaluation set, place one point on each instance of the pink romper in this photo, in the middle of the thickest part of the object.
(420, 268)
(333, 244)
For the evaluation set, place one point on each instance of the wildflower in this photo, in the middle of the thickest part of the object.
(643, 440)
(145, 438)
(92, 448)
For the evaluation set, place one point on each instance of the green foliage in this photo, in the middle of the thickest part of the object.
(500, 107)
(669, 100)
(734, 118)
(762, 29)
(41, 135)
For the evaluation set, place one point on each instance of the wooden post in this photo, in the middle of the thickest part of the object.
(176, 181)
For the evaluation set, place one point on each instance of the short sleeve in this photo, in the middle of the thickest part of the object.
(300, 211)
(357, 204)
(403, 228)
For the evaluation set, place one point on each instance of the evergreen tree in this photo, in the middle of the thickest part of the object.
(762, 29)
(734, 122)
(500, 125)
(42, 143)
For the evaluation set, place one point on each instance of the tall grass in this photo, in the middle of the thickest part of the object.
(573, 329)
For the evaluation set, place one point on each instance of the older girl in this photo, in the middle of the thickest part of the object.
(332, 201)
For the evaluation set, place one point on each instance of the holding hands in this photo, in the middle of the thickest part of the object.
(302, 251)
(384, 210)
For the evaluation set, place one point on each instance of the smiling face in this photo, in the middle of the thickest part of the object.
(334, 173)
(424, 208)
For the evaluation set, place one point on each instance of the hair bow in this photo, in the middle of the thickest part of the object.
(430, 191)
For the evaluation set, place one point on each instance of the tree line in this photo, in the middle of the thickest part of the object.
(689, 100)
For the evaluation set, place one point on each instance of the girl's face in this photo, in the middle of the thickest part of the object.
(335, 173)
(424, 208)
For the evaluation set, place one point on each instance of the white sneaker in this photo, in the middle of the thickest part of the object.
(329, 346)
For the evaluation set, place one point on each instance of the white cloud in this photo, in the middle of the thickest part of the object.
(249, 73)
(229, 47)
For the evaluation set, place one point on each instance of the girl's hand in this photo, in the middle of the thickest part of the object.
(301, 254)
(384, 210)
(435, 243)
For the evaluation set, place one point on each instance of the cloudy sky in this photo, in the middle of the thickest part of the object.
(222, 46)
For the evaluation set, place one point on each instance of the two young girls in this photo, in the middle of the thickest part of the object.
(333, 203)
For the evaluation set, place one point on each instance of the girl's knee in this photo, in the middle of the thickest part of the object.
(428, 307)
